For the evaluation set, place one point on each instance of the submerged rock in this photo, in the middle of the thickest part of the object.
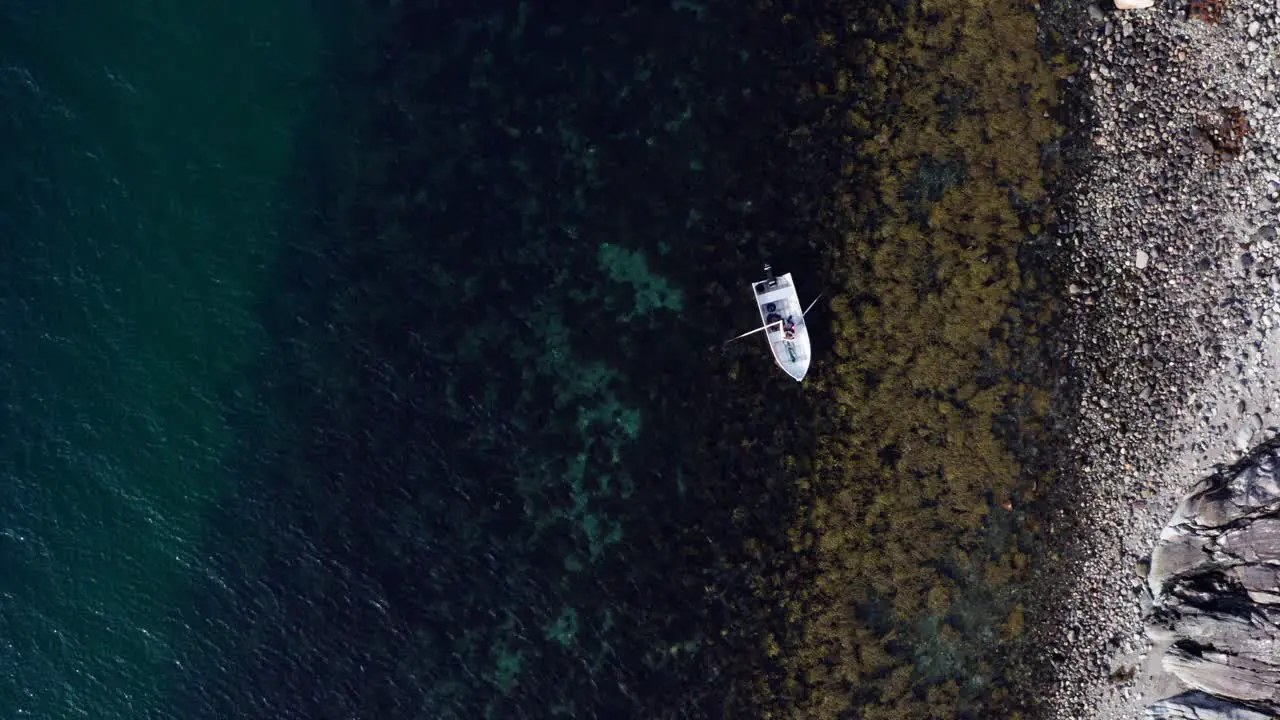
(1215, 586)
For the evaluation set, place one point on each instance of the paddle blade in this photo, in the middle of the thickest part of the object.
(750, 332)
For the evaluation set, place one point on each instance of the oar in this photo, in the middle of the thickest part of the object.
(815, 302)
(751, 332)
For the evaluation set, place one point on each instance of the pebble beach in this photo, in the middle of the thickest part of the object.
(1169, 225)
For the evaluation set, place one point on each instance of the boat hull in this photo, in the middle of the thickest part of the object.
(788, 336)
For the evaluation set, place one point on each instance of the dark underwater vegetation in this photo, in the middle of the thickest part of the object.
(519, 479)
(491, 458)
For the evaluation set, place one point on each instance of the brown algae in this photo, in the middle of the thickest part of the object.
(912, 520)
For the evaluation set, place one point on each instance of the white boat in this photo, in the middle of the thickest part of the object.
(783, 322)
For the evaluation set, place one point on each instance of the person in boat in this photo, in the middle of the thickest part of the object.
(789, 328)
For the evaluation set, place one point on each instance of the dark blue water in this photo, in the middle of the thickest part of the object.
(354, 360)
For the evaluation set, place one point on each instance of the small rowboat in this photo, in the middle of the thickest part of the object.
(783, 322)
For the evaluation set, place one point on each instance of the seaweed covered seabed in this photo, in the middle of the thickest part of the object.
(515, 436)
(937, 130)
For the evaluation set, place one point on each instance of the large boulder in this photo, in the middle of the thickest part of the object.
(1215, 588)
(1199, 706)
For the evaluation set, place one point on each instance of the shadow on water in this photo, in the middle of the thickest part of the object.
(487, 466)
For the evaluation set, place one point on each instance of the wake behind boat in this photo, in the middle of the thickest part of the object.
(784, 326)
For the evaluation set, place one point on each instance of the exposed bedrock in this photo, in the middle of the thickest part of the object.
(1215, 588)
(1196, 705)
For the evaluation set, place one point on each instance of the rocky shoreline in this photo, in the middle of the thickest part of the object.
(1169, 233)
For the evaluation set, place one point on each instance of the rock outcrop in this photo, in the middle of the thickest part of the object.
(1199, 706)
(1215, 588)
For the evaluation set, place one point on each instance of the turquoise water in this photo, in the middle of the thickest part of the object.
(145, 147)
(369, 369)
